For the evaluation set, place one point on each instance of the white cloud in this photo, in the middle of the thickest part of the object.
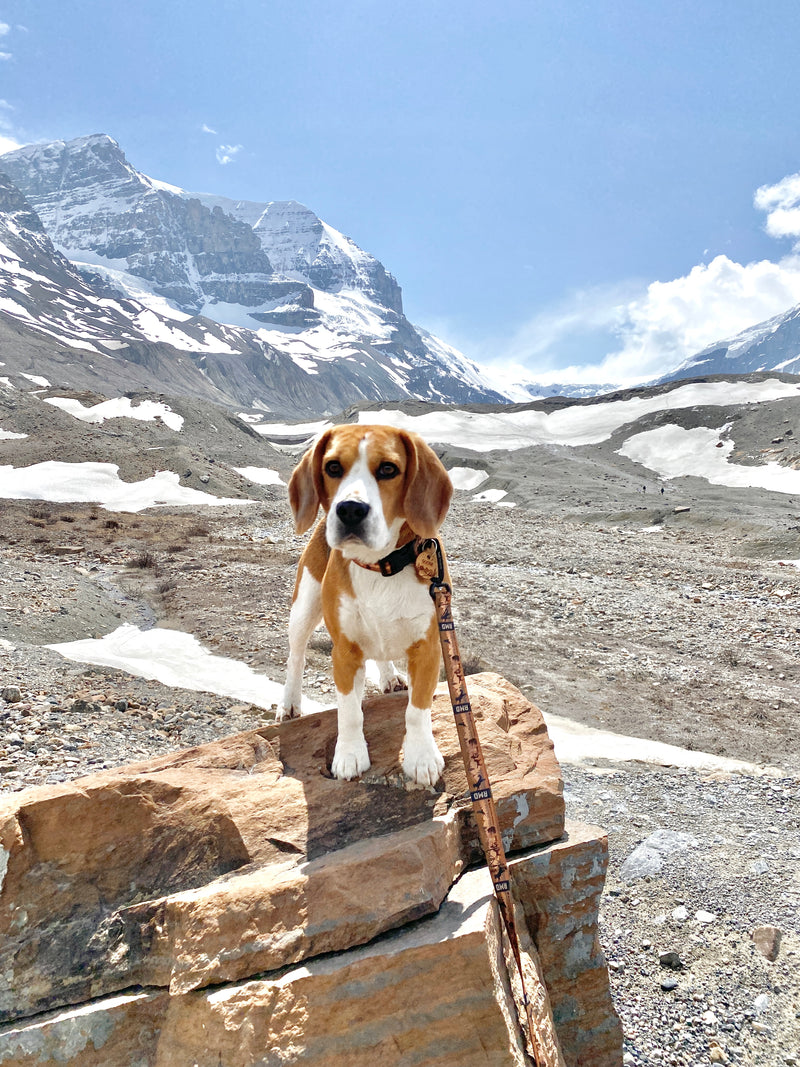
(5, 55)
(781, 202)
(207, 129)
(8, 144)
(654, 330)
(674, 320)
(226, 153)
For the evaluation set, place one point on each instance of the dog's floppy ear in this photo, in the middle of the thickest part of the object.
(428, 487)
(305, 485)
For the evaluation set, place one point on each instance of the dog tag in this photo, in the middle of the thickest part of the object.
(427, 564)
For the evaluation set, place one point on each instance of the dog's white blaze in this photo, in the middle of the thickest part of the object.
(360, 484)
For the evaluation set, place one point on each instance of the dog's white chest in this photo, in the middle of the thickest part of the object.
(387, 615)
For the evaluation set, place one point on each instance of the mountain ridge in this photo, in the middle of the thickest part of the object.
(188, 261)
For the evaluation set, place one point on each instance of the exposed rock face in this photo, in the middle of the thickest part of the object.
(245, 857)
(331, 309)
(91, 200)
(49, 306)
(559, 888)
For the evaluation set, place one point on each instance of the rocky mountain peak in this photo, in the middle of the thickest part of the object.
(275, 279)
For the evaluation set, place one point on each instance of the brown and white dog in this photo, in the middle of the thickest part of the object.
(379, 488)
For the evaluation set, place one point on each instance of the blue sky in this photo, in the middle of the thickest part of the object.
(553, 184)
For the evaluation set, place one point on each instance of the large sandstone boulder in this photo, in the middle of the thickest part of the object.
(245, 857)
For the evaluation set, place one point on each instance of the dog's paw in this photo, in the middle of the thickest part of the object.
(350, 760)
(290, 712)
(422, 761)
(391, 680)
(394, 684)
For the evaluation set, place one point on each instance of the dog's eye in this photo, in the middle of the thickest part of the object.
(334, 469)
(386, 471)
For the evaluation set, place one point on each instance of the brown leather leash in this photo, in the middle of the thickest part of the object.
(428, 560)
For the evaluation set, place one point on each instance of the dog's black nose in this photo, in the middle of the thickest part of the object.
(351, 513)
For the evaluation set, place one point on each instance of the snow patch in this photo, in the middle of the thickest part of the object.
(100, 483)
(575, 743)
(177, 659)
(673, 452)
(490, 496)
(260, 475)
(466, 478)
(118, 408)
(292, 429)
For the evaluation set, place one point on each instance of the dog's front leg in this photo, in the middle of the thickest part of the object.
(350, 758)
(422, 760)
(305, 616)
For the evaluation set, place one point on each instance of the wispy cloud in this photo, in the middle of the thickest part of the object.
(227, 153)
(207, 129)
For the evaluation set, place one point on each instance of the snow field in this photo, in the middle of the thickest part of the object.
(578, 424)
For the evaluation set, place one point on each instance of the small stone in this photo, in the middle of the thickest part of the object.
(767, 940)
(668, 984)
(759, 866)
(647, 859)
(761, 1003)
(11, 694)
(680, 914)
(717, 1055)
(705, 916)
(671, 960)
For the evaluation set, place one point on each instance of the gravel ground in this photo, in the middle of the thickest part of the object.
(606, 605)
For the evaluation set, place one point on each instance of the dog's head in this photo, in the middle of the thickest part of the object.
(370, 480)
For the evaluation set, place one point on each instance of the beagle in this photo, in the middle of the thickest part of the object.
(379, 488)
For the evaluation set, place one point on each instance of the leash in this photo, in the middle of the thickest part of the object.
(428, 560)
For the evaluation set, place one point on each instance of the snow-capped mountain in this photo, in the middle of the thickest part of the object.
(276, 279)
(770, 345)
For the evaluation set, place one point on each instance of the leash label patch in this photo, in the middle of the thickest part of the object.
(446, 626)
(462, 709)
(481, 794)
(502, 887)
